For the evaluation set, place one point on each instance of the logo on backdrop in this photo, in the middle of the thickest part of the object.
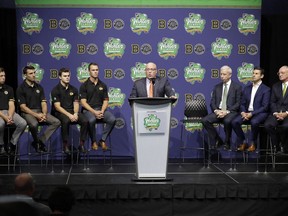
(39, 72)
(173, 123)
(221, 48)
(120, 123)
(172, 73)
(140, 23)
(119, 73)
(245, 72)
(252, 49)
(199, 49)
(172, 24)
(31, 23)
(116, 98)
(226, 24)
(59, 48)
(194, 73)
(167, 48)
(86, 23)
(114, 48)
(194, 24)
(247, 24)
(37, 49)
(118, 24)
(138, 71)
(83, 72)
(152, 122)
(64, 24)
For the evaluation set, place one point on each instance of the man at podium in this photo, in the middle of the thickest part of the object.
(151, 85)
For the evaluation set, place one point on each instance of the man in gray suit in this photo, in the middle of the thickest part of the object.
(152, 86)
(225, 104)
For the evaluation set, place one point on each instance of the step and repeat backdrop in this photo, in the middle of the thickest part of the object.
(189, 43)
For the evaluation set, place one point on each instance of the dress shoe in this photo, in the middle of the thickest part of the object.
(226, 146)
(2, 150)
(242, 147)
(11, 148)
(42, 147)
(81, 149)
(66, 150)
(218, 143)
(251, 148)
(36, 146)
(103, 145)
(94, 146)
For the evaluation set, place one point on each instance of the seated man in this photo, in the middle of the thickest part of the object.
(94, 100)
(225, 103)
(8, 116)
(254, 110)
(65, 101)
(33, 105)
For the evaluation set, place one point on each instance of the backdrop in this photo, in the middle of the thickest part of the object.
(188, 41)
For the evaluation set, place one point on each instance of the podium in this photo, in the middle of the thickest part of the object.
(151, 123)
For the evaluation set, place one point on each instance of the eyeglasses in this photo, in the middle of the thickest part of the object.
(280, 73)
(152, 69)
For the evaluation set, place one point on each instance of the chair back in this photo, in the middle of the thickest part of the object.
(195, 109)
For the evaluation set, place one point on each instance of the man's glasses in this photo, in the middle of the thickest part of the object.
(152, 69)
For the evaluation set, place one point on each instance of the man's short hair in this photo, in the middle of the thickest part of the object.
(28, 67)
(63, 70)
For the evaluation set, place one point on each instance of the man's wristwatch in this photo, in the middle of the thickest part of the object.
(227, 111)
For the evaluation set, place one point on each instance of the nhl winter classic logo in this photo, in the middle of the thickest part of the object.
(39, 72)
(82, 72)
(194, 72)
(116, 97)
(114, 48)
(248, 24)
(59, 48)
(221, 48)
(86, 23)
(194, 24)
(31, 23)
(168, 48)
(140, 23)
(245, 72)
(138, 71)
(152, 122)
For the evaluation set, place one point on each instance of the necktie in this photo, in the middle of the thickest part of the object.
(151, 89)
(224, 98)
(284, 89)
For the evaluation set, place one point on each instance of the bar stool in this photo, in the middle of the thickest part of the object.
(41, 154)
(15, 157)
(109, 145)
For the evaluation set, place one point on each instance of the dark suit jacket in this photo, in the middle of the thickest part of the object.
(233, 97)
(161, 88)
(278, 102)
(261, 99)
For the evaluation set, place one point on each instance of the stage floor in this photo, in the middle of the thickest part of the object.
(222, 188)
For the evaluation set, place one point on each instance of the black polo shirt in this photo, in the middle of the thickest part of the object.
(94, 94)
(66, 96)
(6, 95)
(32, 96)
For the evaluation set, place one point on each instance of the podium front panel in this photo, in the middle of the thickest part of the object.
(151, 132)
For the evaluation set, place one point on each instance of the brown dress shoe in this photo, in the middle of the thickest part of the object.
(103, 145)
(94, 146)
(251, 148)
(242, 147)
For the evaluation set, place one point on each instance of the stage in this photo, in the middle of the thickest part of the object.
(220, 188)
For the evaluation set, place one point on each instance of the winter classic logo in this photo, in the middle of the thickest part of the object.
(168, 48)
(83, 72)
(221, 48)
(59, 48)
(86, 23)
(138, 71)
(194, 72)
(140, 23)
(247, 24)
(116, 98)
(152, 122)
(31, 23)
(245, 72)
(114, 48)
(194, 23)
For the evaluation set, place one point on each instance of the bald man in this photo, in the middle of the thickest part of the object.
(24, 185)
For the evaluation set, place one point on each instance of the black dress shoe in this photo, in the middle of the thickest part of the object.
(42, 147)
(11, 148)
(36, 146)
(81, 149)
(227, 146)
(218, 143)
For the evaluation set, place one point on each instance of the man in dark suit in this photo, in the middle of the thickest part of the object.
(158, 87)
(254, 110)
(225, 104)
(279, 112)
